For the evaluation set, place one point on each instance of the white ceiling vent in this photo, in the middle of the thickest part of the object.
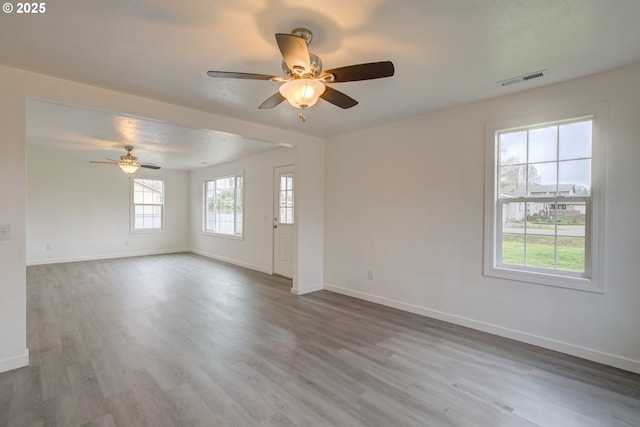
(523, 78)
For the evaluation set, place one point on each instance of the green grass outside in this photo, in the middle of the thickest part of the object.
(540, 252)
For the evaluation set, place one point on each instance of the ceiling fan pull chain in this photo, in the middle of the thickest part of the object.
(302, 117)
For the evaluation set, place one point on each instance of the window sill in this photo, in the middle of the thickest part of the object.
(547, 279)
(228, 236)
(147, 231)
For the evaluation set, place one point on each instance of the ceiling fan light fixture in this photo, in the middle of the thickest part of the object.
(129, 168)
(302, 93)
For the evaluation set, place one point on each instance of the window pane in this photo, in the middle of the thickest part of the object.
(512, 181)
(541, 218)
(157, 197)
(513, 249)
(542, 180)
(572, 219)
(571, 253)
(512, 147)
(513, 229)
(576, 176)
(575, 140)
(543, 145)
(537, 213)
(138, 196)
(513, 216)
(285, 214)
(540, 251)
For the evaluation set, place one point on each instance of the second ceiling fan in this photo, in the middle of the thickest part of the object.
(304, 79)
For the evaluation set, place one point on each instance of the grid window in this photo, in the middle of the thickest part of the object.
(148, 204)
(224, 205)
(540, 217)
(544, 192)
(286, 198)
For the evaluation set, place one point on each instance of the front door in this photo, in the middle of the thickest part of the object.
(284, 228)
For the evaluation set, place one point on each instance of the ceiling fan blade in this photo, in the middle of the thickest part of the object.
(149, 166)
(246, 76)
(338, 98)
(104, 163)
(273, 101)
(352, 73)
(295, 52)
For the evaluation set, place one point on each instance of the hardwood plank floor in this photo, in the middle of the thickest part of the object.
(181, 340)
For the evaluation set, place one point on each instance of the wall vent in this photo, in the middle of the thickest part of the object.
(523, 78)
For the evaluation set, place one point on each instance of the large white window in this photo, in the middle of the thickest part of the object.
(223, 205)
(544, 203)
(148, 204)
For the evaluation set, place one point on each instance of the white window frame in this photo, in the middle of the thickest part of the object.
(234, 235)
(134, 229)
(594, 229)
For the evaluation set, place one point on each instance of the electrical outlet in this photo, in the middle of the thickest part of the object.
(5, 231)
(372, 275)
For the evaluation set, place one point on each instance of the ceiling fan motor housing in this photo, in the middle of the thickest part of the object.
(305, 33)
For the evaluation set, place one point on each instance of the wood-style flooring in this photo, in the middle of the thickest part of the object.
(181, 340)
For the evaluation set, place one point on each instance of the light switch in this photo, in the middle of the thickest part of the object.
(5, 231)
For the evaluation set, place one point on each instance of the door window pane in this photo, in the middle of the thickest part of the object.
(286, 202)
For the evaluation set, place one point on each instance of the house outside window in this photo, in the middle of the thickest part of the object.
(544, 203)
(223, 205)
(148, 204)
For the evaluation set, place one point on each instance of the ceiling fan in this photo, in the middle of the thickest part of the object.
(304, 80)
(128, 163)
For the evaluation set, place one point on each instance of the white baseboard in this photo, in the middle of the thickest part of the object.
(307, 289)
(548, 343)
(232, 261)
(99, 257)
(149, 253)
(15, 362)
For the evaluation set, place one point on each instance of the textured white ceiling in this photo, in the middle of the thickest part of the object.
(446, 52)
(69, 131)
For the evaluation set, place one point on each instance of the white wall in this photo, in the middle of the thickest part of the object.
(13, 340)
(78, 211)
(309, 193)
(406, 200)
(255, 249)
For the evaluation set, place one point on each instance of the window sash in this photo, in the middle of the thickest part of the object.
(223, 213)
(146, 201)
(499, 235)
